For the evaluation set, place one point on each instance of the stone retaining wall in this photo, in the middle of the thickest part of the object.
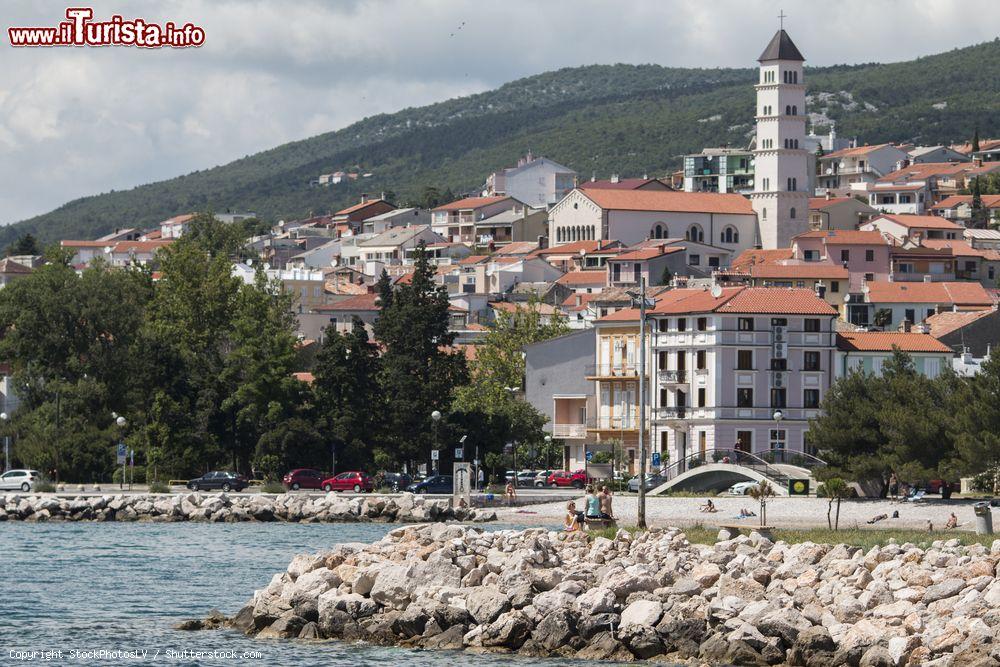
(654, 595)
(406, 508)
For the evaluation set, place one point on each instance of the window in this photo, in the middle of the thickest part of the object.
(658, 231)
(661, 325)
(695, 233)
(931, 311)
(778, 438)
(788, 110)
(834, 285)
(701, 397)
(791, 212)
(811, 325)
(700, 360)
(810, 361)
(682, 324)
(744, 360)
(811, 255)
(763, 211)
(869, 255)
(869, 277)
(845, 255)
(778, 397)
(779, 364)
(910, 315)
(702, 324)
(744, 398)
(810, 398)
(779, 321)
(694, 260)
(713, 261)
(745, 324)
(730, 235)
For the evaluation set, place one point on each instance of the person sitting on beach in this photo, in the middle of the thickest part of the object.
(572, 521)
(952, 522)
(878, 517)
(746, 514)
(709, 507)
(510, 493)
(605, 504)
(593, 506)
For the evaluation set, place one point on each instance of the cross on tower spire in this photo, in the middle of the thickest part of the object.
(781, 19)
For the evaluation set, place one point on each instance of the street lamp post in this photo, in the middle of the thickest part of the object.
(548, 451)
(6, 442)
(120, 422)
(778, 416)
(435, 418)
(643, 303)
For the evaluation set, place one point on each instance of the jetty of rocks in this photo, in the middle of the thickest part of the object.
(406, 508)
(744, 601)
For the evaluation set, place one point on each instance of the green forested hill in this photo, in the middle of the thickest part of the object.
(597, 119)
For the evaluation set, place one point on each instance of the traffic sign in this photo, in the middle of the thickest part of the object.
(590, 456)
(434, 455)
(656, 458)
(459, 453)
(508, 448)
(121, 453)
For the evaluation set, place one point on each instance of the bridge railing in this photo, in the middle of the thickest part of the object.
(731, 456)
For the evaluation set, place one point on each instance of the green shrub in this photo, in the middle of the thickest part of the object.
(158, 487)
(44, 486)
(272, 487)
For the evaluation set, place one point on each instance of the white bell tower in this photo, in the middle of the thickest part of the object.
(781, 162)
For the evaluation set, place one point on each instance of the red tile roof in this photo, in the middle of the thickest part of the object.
(517, 248)
(584, 278)
(510, 307)
(670, 200)
(885, 341)
(989, 201)
(958, 248)
(360, 206)
(924, 170)
(748, 257)
(845, 237)
(590, 247)
(918, 221)
(855, 152)
(776, 300)
(471, 203)
(818, 203)
(640, 254)
(944, 323)
(806, 270)
(86, 244)
(306, 377)
(570, 302)
(473, 259)
(947, 293)
(622, 184)
(140, 246)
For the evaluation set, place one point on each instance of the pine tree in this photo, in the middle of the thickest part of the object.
(979, 214)
(419, 372)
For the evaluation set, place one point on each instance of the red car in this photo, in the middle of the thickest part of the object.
(577, 479)
(355, 481)
(303, 478)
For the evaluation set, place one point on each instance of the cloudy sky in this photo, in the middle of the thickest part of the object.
(79, 121)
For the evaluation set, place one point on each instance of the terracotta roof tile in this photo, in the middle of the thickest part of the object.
(944, 323)
(856, 151)
(820, 270)
(574, 248)
(640, 254)
(581, 278)
(670, 200)
(918, 221)
(748, 257)
(818, 203)
(365, 301)
(989, 201)
(946, 293)
(767, 300)
(885, 341)
(621, 184)
(845, 237)
(471, 202)
(360, 206)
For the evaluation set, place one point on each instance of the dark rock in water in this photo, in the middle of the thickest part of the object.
(215, 619)
(412, 621)
(714, 649)
(682, 636)
(555, 630)
(449, 615)
(193, 624)
(510, 630)
(642, 640)
(378, 628)
(588, 626)
(338, 624)
(740, 652)
(287, 626)
(309, 631)
(449, 639)
(307, 608)
(604, 646)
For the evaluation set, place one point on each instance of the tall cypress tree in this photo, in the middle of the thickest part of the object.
(975, 140)
(978, 212)
(418, 372)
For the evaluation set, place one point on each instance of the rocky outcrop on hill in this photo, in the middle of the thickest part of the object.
(406, 508)
(745, 601)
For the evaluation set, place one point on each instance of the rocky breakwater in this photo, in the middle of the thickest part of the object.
(745, 601)
(301, 508)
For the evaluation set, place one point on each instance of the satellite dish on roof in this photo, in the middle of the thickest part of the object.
(829, 170)
(716, 291)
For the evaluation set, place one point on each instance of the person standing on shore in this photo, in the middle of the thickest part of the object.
(893, 487)
(481, 479)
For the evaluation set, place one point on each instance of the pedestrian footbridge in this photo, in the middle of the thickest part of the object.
(718, 469)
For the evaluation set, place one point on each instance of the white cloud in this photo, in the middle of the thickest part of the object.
(76, 121)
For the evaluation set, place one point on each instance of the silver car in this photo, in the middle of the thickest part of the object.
(652, 481)
(19, 480)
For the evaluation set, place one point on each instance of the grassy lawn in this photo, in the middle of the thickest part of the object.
(699, 534)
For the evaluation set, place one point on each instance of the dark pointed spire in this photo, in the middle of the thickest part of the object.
(781, 47)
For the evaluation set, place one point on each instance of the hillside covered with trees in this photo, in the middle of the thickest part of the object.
(598, 119)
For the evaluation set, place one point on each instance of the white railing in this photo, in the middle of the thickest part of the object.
(569, 430)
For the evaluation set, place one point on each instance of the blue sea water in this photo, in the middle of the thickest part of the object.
(84, 588)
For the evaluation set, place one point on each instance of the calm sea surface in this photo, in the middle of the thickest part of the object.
(118, 587)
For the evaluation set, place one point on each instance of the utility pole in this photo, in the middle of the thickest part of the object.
(643, 304)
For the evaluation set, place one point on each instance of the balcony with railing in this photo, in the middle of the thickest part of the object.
(569, 431)
(614, 423)
(671, 413)
(612, 371)
(672, 377)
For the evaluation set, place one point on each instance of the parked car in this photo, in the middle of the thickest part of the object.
(219, 479)
(741, 488)
(526, 477)
(397, 481)
(541, 479)
(352, 480)
(652, 481)
(943, 487)
(433, 484)
(19, 480)
(564, 478)
(303, 478)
